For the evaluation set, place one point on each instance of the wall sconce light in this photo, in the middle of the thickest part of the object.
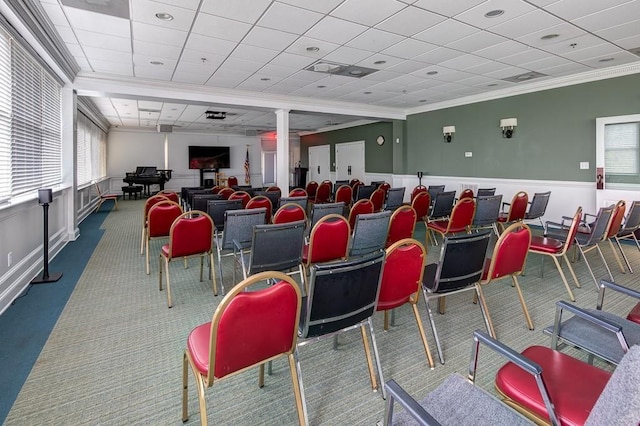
(448, 132)
(508, 126)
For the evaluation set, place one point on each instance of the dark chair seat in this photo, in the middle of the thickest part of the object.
(573, 398)
(546, 244)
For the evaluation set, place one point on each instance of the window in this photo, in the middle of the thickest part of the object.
(92, 150)
(30, 123)
(621, 148)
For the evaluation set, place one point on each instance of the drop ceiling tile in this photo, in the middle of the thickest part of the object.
(268, 38)
(299, 47)
(390, 61)
(500, 50)
(448, 8)
(145, 11)
(239, 10)
(241, 65)
(106, 54)
(573, 9)
(565, 32)
(335, 30)
(120, 68)
(227, 77)
(374, 40)
(547, 62)
(292, 61)
(463, 62)
(253, 53)
(324, 6)
(188, 4)
(347, 55)
(446, 74)
(288, 85)
(218, 27)
(609, 17)
(67, 35)
(83, 63)
(75, 49)
(143, 61)
(619, 32)
(528, 23)
(409, 48)
(97, 22)
(525, 57)
(505, 72)
(410, 21)
(367, 12)
(567, 69)
(477, 80)
(105, 41)
(288, 18)
(602, 61)
(475, 42)
(201, 60)
(211, 45)
(604, 50)
(156, 49)
(486, 67)
(630, 42)
(382, 75)
(438, 55)
(55, 13)
(446, 32)
(254, 83)
(577, 43)
(406, 80)
(154, 34)
(476, 15)
(272, 70)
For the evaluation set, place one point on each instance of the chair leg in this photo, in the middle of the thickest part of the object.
(261, 375)
(147, 255)
(365, 342)
(524, 305)
(298, 388)
(376, 356)
(213, 274)
(605, 261)
(626, 260)
(564, 279)
(386, 320)
(166, 270)
(201, 265)
(220, 272)
(144, 234)
(624, 271)
(442, 304)
(185, 388)
(414, 307)
(573, 274)
(485, 310)
(433, 330)
(586, 262)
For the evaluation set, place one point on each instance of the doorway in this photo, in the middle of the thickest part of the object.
(350, 161)
(319, 160)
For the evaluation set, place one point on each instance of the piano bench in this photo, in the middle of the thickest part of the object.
(134, 190)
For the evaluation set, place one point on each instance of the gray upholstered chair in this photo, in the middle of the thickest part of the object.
(369, 233)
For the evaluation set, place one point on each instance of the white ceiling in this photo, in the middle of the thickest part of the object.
(428, 52)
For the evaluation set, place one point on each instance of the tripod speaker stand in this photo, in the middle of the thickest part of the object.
(45, 196)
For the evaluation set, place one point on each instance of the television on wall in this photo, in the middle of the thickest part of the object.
(209, 157)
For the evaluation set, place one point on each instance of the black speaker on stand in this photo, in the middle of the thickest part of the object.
(45, 196)
(420, 174)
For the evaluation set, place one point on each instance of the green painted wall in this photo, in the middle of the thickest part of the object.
(556, 131)
(378, 159)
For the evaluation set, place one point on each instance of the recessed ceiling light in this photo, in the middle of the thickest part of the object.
(422, 100)
(265, 79)
(355, 72)
(367, 93)
(156, 63)
(524, 77)
(605, 60)
(549, 36)
(492, 85)
(312, 49)
(379, 62)
(321, 86)
(494, 13)
(164, 16)
(432, 72)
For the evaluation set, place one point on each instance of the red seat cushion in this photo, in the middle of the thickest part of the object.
(439, 225)
(198, 347)
(634, 315)
(545, 244)
(573, 385)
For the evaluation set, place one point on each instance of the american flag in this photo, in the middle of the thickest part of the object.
(247, 175)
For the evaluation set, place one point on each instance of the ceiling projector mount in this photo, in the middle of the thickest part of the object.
(216, 115)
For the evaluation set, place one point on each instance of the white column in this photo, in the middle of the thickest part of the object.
(282, 150)
(69, 164)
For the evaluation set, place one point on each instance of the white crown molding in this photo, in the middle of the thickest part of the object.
(93, 84)
(339, 127)
(534, 86)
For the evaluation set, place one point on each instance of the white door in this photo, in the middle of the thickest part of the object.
(268, 168)
(350, 161)
(319, 159)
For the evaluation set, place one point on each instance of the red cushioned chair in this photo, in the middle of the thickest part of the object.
(508, 261)
(289, 212)
(241, 195)
(159, 221)
(191, 234)
(102, 197)
(298, 192)
(401, 279)
(401, 225)
(172, 195)
(151, 201)
(385, 187)
(260, 201)
(273, 189)
(558, 249)
(628, 230)
(248, 329)
(377, 199)
(417, 190)
(323, 193)
(466, 193)
(361, 207)
(216, 189)
(226, 193)
(329, 240)
(614, 227)
(421, 204)
(459, 221)
(344, 194)
(517, 210)
(311, 189)
(232, 181)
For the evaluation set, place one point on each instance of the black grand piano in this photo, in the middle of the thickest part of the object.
(147, 176)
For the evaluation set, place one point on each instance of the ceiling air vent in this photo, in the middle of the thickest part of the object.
(334, 68)
(520, 78)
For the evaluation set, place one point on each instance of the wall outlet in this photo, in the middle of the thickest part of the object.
(9, 259)
(468, 154)
(584, 165)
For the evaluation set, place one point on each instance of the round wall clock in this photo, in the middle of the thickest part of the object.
(380, 140)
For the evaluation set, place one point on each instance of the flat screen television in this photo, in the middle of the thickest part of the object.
(209, 157)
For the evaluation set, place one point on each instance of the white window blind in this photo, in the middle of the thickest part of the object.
(92, 150)
(5, 117)
(35, 125)
(621, 148)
